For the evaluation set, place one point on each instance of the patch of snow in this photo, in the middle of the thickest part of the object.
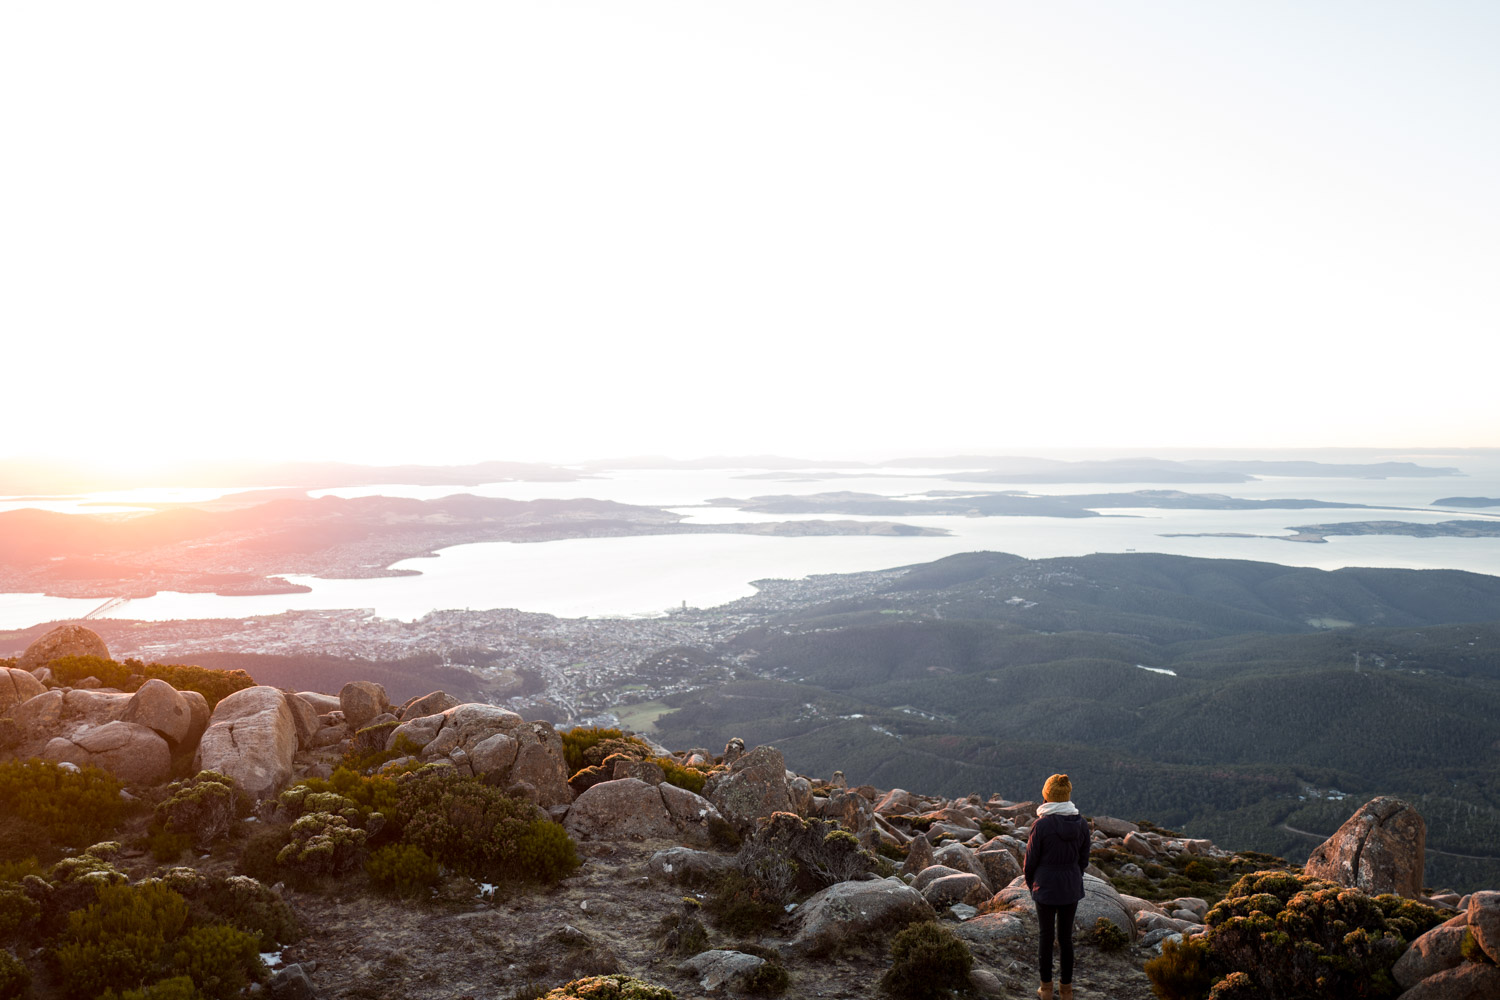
(1157, 670)
(271, 958)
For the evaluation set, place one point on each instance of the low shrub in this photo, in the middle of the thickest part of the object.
(15, 978)
(258, 856)
(219, 959)
(683, 933)
(368, 793)
(1470, 949)
(1105, 936)
(176, 988)
(927, 961)
(1183, 970)
(239, 901)
(770, 979)
(476, 829)
(322, 844)
(615, 987)
(369, 751)
(1298, 936)
(1236, 986)
(402, 870)
(683, 777)
(203, 807)
(738, 904)
(810, 854)
(119, 940)
(585, 746)
(18, 911)
(214, 685)
(46, 806)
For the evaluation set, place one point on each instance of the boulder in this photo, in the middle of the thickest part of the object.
(691, 813)
(627, 809)
(998, 866)
(17, 686)
(361, 702)
(65, 640)
(1484, 922)
(961, 858)
(531, 752)
(133, 753)
(918, 856)
(717, 968)
(960, 887)
(1115, 827)
(252, 738)
(896, 802)
(93, 708)
(40, 715)
(753, 788)
(1099, 900)
(1469, 981)
(433, 703)
(687, 866)
(988, 928)
(1431, 953)
(799, 790)
(847, 911)
(305, 717)
(931, 874)
(1381, 848)
(199, 711)
(158, 706)
(629, 767)
(1136, 844)
(494, 755)
(324, 703)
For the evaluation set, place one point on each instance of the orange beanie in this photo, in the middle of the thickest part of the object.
(1057, 789)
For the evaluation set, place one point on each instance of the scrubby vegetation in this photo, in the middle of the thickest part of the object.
(616, 987)
(928, 961)
(1105, 936)
(402, 870)
(45, 807)
(580, 740)
(214, 685)
(1294, 936)
(202, 808)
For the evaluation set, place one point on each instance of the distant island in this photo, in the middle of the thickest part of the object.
(1467, 502)
(1009, 503)
(1319, 533)
(1005, 469)
(241, 545)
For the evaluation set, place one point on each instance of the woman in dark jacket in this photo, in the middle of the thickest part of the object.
(1057, 852)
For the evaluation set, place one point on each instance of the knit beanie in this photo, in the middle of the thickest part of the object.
(1057, 789)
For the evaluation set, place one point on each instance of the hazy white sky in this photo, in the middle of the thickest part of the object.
(553, 230)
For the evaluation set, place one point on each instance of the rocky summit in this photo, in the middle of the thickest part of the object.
(171, 831)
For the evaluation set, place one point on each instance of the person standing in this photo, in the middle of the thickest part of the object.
(1057, 852)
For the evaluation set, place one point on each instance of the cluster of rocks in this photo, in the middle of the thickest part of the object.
(1435, 966)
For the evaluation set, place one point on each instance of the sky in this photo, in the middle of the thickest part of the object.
(386, 232)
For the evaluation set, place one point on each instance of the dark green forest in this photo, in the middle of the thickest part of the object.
(988, 672)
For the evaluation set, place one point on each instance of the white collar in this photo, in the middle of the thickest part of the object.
(1057, 809)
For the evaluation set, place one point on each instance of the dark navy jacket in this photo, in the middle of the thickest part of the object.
(1057, 852)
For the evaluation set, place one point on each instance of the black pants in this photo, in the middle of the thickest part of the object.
(1056, 921)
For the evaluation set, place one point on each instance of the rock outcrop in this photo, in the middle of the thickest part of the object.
(495, 743)
(1100, 899)
(65, 640)
(17, 686)
(361, 702)
(753, 788)
(848, 911)
(133, 753)
(252, 738)
(159, 707)
(1381, 848)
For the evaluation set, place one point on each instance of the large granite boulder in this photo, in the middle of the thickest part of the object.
(847, 911)
(718, 968)
(17, 686)
(1099, 900)
(960, 887)
(432, 703)
(1484, 922)
(627, 809)
(65, 640)
(1431, 953)
(687, 866)
(323, 703)
(752, 789)
(252, 738)
(39, 716)
(361, 702)
(133, 753)
(1469, 981)
(305, 717)
(158, 706)
(692, 814)
(494, 743)
(1381, 848)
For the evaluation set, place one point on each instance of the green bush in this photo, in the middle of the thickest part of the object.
(1471, 951)
(738, 904)
(927, 961)
(1105, 936)
(214, 685)
(18, 911)
(1236, 986)
(682, 933)
(580, 741)
(45, 806)
(1298, 936)
(683, 777)
(322, 844)
(219, 959)
(769, 979)
(368, 793)
(203, 807)
(402, 870)
(368, 751)
(176, 988)
(15, 978)
(615, 987)
(1183, 970)
(118, 941)
(476, 829)
(238, 901)
(258, 856)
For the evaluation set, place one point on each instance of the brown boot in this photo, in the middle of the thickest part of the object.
(1045, 990)
(1066, 993)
